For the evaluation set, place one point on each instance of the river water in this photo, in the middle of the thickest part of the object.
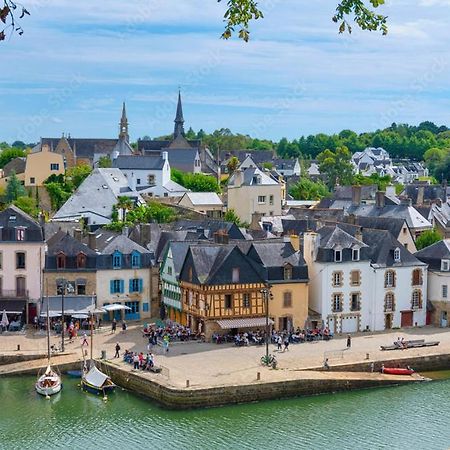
(416, 416)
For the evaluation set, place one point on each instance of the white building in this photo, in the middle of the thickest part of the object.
(363, 279)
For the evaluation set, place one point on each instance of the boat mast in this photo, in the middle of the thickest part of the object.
(48, 326)
(92, 331)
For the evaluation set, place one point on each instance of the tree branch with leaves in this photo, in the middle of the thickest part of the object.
(10, 14)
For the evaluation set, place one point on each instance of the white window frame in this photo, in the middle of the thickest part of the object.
(261, 199)
(355, 254)
(397, 255)
(445, 265)
(336, 253)
(444, 291)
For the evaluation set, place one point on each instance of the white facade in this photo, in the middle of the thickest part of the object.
(171, 291)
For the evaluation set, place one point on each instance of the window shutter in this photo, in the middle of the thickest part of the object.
(130, 285)
(140, 284)
(122, 286)
(111, 287)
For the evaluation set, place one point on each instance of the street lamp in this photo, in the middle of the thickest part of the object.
(61, 290)
(267, 295)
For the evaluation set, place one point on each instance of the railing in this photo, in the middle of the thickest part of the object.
(14, 293)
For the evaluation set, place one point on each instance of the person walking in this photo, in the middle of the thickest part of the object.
(124, 326)
(166, 342)
(113, 326)
(85, 341)
(349, 341)
(279, 343)
(117, 355)
(286, 344)
(136, 361)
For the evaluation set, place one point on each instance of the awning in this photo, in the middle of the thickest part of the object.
(251, 322)
(116, 307)
(73, 304)
(13, 306)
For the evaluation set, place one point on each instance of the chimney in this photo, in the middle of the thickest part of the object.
(295, 241)
(45, 148)
(238, 178)
(221, 237)
(145, 234)
(92, 241)
(439, 202)
(78, 234)
(444, 191)
(165, 155)
(420, 195)
(356, 195)
(406, 201)
(132, 182)
(256, 218)
(379, 196)
(125, 231)
(358, 234)
(351, 219)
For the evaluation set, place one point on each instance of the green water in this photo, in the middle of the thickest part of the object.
(408, 417)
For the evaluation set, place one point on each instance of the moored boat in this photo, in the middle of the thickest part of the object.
(49, 383)
(96, 382)
(397, 371)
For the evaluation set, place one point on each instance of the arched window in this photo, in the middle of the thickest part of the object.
(60, 260)
(81, 260)
(397, 255)
(389, 302)
(416, 300)
(117, 260)
(417, 277)
(389, 279)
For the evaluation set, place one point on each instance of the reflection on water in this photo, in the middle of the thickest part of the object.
(416, 416)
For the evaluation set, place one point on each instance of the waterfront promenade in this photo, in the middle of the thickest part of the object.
(206, 365)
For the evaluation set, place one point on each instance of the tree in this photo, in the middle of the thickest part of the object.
(28, 205)
(104, 162)
(196, 182)
(306, 189)
(9, 154)
(427, 238)
(336, 166)
(232, 164)
(240, 13)
(124, 204)
(434, 159)
(231, 216)
(14, 188)
(57, 193)
(76, 175)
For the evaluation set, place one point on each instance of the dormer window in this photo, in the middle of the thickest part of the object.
(20, 234)
(355, 254)
(81, 260)
(338, 255)
(288, 272)
(117, 260)
(235, 275)
(397, 255)
(61, 261)
(445, 265)
(135, 260)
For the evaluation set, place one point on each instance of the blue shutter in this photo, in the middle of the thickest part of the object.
(122, 286)
(130, 285)
(144, 307)
(140, 284)
(111, 287)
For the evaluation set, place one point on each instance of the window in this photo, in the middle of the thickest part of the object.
(445, 265)
(21, 289)
(417, 277)
(416, 300)
(246, 302)
(145, 307)
(444, 291)
(117, 260)
(355, 278)
(81, 260)
(337, 279)
(261, 199)
(287, 299)
(116, 286)
(32, 180)
(60, 261)
(355, 304)
(135, 285)
(288, 272)
(355, 254)
(338, 255)
(235, 275)
(20, 234)
(389, 302)
(138, 181)
(190, 274)
(1, 260)
(169, 270)
(271, 200)
(389, 279)
(228, 301)
(135, 260)
(337, 303)
(81, 289)
(397, 255)
(404, 230)
(54, 166)
(20, 260)
(151, 179)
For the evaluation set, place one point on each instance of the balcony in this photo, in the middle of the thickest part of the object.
(14, 293)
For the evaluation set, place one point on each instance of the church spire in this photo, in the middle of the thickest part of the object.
(123, 127)
(179, 120)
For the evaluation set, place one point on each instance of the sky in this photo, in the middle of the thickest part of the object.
(77, 61)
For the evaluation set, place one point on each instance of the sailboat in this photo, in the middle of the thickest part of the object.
(94, 380)
(49, 382)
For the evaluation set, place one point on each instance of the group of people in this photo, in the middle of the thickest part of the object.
(139, 360)
(175, 332)
(114, 326)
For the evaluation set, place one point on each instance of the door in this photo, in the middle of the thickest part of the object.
(350, 324)
(388, 321)
(332, 324)
(133, 313)
(407, 319)
(444, 319)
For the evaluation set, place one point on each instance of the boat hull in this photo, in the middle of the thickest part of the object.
(397, 371)
(95, 389)
(47, 391)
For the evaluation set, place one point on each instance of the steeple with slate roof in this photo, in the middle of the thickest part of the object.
(179, 120)
(123, 127)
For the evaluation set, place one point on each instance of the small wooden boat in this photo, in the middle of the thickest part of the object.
(49, 383)
(397, 371)
(96, 382)
(410, 344)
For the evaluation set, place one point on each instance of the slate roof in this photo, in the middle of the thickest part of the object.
(124, 245)
(13, 217)
(285, 164)
(84, 148)
(430, 192)
(322, 214)
(64, 242)
(298, 226)
(334, 237)
(258, 156)
(278, 253)
(211, 225)
(144, 146)
(249, 175)
(204, 198)
(16, 165)
(433, 254)
(393, 225)
(151, 162)
(345, 192)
